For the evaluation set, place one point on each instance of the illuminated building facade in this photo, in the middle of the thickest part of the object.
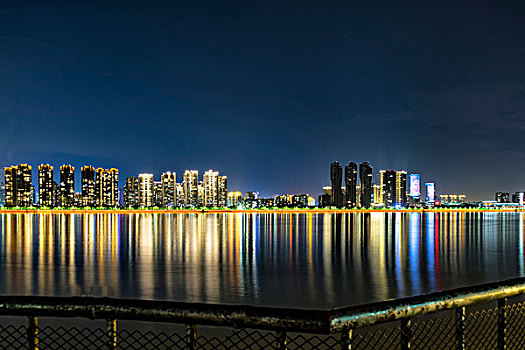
(351, 185)
(131, 192)
(168, 189)
(223, 191)
(46, 187)
(157, 194)
(377, 195)
(455, 198)
(414, 181)
(431, 192)
(336, 177)
(106, 187)
(518, 197)
(179, 198)
(191, 188)
(87, 180)
(2, 194)
(502, 197)
(67, 186)
(210, 181)
(18, 189)
(234, 199)
(251, 200)
(145, 190)
(401, 188)
(300, 200)
(365, 183)
(388, 187)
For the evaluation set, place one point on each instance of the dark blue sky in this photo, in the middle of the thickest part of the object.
(269, 93)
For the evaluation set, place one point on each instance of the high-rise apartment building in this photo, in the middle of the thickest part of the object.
(179, 198)
(111, 188)
(351, 185)
(169, 191)
(131, 192)
(336, 177)
(46, 187)
(106, 187)
(99, 186)
(377, 195)
(146, 184)
(223, 191)
(2, 188)
(87, 174)
(191, 188)
(67, 186)
(200, 194)
(431, 192)
(365, 183)
(401, 188)
(157, 194)
(210, 180)
(19, 191)
(388, 187)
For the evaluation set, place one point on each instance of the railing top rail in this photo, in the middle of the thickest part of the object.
(381, 312)
(270, 318)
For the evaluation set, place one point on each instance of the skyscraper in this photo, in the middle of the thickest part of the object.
(179, 198)
(223, 191)
(210, 181)
(67, 186)
(191, 187)
(388, 187)
(401, 188)
(157, 193)
(145, 190)
(106, 187)
(111, 188)
(88, 186)
(46, 189)
(351, 185)
(431, 192)
(336, 177)
(131, 192)
(365, 183)
(169, 192)
(18, 188)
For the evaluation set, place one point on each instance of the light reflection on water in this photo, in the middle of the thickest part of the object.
(285, 259)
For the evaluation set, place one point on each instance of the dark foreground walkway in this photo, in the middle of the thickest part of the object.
(490, 316)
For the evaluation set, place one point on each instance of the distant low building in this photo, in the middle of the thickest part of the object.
(234, 199)
(502, 197)
(452, 198)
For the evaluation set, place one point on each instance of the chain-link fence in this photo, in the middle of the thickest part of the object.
(483, 317)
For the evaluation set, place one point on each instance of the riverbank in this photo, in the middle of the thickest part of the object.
(280, 210)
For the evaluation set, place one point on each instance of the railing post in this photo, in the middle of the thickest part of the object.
(460, 328)
(346, 339)
(281, 340)
(111, 331)
(502, 323)
(406, 333)
(191, 336)
(32, 332)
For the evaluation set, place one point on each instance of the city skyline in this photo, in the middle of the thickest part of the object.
(392, 188)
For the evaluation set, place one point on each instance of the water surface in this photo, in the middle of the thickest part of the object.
(280, 259)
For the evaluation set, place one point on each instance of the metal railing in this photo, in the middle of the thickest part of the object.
(484, 316)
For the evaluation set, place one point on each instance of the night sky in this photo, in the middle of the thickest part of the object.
(268, 93)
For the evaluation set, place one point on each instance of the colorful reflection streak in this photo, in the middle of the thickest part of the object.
(313, 260)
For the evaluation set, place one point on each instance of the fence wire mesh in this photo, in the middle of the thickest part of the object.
(485, 326)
